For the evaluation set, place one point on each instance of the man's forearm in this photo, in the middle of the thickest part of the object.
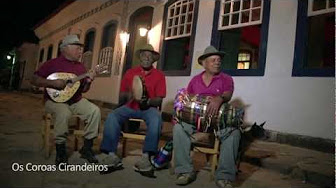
(86, 87)
(226, 96)
(40, 82)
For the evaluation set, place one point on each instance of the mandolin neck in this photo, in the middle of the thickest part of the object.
(80, 77)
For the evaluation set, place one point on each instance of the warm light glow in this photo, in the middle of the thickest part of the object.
(124, 37)
(9, 57)
(143, 31)
(154, 33)
(150, 34)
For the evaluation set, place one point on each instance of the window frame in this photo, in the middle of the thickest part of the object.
(163, 50)
(50, 52)
(215, 41)
(94, 38)
(59, 48)
(311, 12)
(301, 37)
(239, 12)
(111, 22)
(41, 56)
(178, 35)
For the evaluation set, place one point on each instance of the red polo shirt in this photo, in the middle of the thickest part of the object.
(155, 82)
(61, 64)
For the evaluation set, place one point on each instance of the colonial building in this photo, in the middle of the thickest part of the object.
(279, 52)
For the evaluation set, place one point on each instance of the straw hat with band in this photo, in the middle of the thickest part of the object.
(148, 47)
(209, 51)
(71, 39)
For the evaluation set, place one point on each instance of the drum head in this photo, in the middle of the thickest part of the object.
(137, 88)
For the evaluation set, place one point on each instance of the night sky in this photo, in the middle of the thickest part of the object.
(18, 17)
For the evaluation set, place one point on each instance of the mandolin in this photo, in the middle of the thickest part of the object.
(73, 83)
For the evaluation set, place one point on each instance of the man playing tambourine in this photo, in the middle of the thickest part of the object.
(211, 82)
(145, 107)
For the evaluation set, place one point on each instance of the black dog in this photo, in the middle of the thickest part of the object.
(249, 134)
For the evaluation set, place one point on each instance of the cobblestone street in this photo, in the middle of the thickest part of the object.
(21, 143)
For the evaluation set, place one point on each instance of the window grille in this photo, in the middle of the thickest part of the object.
(179, 19)
(317, 7)
(239, 13)
(105, 57)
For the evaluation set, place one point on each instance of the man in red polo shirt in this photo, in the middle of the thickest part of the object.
(146, 109)
(68, 62)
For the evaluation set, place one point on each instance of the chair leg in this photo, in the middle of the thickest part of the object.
(213, 167)
(172, 165)
(215, 158)
(43, 130)
(77, 128)
(47, 122)
(123, 152)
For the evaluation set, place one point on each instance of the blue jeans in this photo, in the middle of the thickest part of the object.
(115, 119)
(229, 137)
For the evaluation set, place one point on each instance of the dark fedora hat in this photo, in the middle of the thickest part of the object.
(149, 48)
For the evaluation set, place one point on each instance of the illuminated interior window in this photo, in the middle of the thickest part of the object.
(244, 60)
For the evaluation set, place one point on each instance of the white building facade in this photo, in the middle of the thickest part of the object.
(271, 64)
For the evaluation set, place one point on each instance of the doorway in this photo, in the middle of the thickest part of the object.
(141, 18)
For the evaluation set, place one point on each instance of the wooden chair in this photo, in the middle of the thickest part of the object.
(205, 143)
(48, 129)
(125, 136)
(209, 146)
(79, 133)
(137, 135)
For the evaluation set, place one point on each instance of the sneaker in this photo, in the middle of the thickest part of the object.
(186, 178)
(88, 154)
(224, 184)
(143, 165)
(112, 161)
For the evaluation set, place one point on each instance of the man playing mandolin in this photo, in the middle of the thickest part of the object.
(68, 64)
(219, 86)
(144, 107)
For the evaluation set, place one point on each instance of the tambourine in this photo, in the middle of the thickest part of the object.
(139, 88)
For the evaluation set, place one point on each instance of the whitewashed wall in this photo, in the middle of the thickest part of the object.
(297, 105)
(27, 53)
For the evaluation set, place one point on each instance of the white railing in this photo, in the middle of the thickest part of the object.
(106, 58)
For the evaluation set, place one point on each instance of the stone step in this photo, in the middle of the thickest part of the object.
(299, 163)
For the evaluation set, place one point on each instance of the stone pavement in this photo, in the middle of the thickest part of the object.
(267, 164)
